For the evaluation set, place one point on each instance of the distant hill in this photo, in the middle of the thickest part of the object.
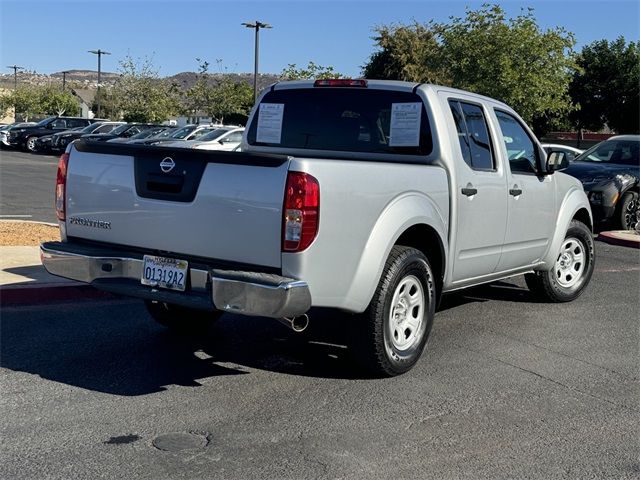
(89, 78)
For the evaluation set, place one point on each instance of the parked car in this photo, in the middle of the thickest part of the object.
(44, 144)
(143, 135)
(367, 197)
(127, 130)
(4, 131)
(62, 139)
(570, 152)
(609, 173)
(188, 132)
(25, 137)
(223, 138)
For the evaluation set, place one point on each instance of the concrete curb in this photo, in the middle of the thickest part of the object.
(622, 238)
(19, 295)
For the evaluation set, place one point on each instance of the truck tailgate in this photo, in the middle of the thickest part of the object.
(219, 205)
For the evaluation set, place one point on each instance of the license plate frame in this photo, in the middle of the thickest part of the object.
(164, 272)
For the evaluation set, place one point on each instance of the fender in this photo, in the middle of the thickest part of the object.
(403, 212)
(574, 200)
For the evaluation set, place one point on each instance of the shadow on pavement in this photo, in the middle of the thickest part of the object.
(116, 348)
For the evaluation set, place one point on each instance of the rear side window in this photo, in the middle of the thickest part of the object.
(473, 135)
(344, 119)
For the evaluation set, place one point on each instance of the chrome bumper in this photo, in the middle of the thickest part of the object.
(246, 293)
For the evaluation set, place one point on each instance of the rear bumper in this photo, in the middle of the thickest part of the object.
(246, 293)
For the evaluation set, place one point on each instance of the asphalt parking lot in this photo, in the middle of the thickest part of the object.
(508, 388)
(27, 186)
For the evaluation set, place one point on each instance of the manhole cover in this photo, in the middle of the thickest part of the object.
(177, 442)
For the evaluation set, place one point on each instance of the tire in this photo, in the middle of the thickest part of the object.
(572, 271)
(390, 337)
(629, 211)
(181, 319)
(30, 144)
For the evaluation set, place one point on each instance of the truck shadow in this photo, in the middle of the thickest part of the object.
(114, 347)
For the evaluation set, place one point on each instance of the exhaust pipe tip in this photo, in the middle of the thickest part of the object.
(298, 324)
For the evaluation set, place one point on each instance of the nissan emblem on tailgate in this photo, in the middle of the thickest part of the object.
(167, 164)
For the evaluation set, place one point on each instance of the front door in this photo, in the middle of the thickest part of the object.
(531, 197)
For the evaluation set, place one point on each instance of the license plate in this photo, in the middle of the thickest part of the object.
(164, 272)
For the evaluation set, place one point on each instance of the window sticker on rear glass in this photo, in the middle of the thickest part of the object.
(405, 124)
(270, 122)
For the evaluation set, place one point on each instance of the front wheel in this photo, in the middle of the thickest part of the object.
(572, 271)
(629, 211)
(181, 319)
(31, 144)
(392, 333)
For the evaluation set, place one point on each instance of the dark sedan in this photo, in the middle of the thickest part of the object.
(59, 141)
(127, 130)
(610, 172)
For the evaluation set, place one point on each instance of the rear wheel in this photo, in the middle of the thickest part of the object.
(629, 211)
(572, 270)
(181, 319)
(393, 331)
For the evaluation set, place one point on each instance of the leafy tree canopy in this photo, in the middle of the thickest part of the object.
(39, 100)
(607, 86)
(510, 59)
(312, 71)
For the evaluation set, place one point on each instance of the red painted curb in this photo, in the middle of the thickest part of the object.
(40, 294)
(613, 238)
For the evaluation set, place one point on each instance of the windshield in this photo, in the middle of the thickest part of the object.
(623, 152)
(91, 128)
(213, 134)
(120, 129)
(182, 132)
(147, 133)
(44, 122)
(166, 133)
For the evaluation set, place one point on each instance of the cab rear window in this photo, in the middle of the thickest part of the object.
(343, 119)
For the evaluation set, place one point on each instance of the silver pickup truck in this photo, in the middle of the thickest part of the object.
(369, 197)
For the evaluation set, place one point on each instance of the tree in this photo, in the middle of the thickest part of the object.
(292, 72)
(219, 101)
(607, 86)
(141, 96)
(37, 100)
(510, 59)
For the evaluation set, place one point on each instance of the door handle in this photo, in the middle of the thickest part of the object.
(514, 192)
(469, 191)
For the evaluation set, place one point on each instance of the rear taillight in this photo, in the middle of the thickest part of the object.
(301, 212)
(61, 186)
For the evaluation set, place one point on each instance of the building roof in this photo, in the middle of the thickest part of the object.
(87, 95)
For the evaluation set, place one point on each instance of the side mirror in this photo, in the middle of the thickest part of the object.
(556, 161)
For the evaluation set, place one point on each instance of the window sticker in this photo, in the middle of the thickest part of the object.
(270, 122)
(405, 124)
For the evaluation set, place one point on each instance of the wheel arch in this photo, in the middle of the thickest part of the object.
(404, 222)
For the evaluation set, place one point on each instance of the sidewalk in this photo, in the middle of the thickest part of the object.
(23, 279)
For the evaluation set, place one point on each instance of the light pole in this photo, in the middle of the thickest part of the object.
(15, 75)
(64, 79)
(256, 26)
(99, 53)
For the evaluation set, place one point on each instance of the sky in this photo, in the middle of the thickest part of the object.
(55, 35)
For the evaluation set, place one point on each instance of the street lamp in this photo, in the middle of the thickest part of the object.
(64, 79)
(99, 53)
(15, 75)
(257, 26)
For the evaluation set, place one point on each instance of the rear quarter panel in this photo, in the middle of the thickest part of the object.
(364, 208)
